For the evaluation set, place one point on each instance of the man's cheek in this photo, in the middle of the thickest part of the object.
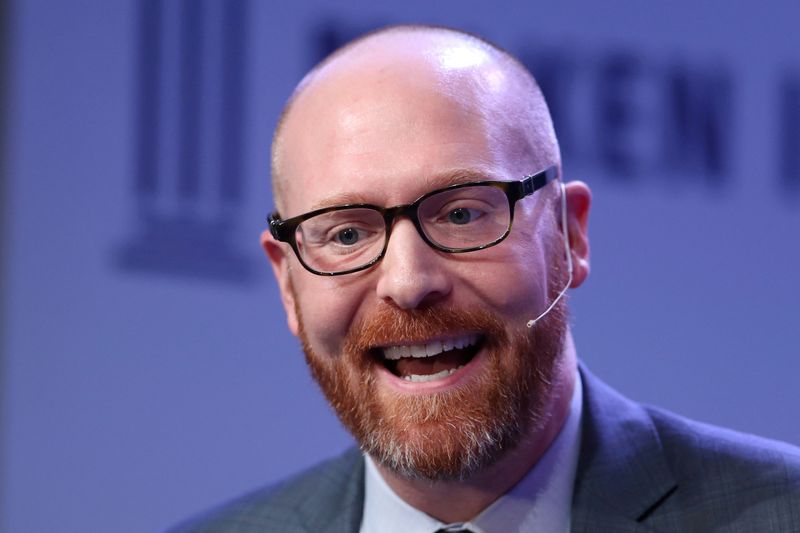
(326, 324)
(514, 284)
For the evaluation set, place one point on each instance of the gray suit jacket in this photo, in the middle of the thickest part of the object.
(640, 469)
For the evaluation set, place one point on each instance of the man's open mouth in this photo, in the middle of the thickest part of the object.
(432, 360)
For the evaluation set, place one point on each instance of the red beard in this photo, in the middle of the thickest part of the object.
(448, 435)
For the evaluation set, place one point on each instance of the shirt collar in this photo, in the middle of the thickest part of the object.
(541, 501)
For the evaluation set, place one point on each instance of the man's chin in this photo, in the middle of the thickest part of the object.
(450, 430)
(433, 437)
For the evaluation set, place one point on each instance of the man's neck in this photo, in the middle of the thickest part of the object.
(459, 501)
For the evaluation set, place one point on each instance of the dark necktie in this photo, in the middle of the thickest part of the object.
(448, 530)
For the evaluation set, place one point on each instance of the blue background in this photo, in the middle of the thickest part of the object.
(147, 370)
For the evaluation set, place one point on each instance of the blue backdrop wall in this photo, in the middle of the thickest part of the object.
(147, 369)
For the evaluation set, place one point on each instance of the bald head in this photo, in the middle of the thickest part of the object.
(395, 78)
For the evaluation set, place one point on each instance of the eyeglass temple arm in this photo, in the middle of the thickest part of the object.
(533, 183)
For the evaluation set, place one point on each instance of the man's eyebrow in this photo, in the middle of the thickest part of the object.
(459, 176)
(345, 198)
(436, 181)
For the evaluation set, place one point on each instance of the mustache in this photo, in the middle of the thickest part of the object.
(390, 325)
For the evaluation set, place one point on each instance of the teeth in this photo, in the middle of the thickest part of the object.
(433, 348)
(396, 352)
(431, 377)
(427, 350)
(418, 351)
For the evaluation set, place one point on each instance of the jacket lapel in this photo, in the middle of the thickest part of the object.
(338, 504)
(622, 473)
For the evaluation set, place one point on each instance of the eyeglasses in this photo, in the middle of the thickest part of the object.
(461, 218)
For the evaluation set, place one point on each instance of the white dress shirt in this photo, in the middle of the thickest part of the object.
(540, 502)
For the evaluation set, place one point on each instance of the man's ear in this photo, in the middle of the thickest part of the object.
(279, 257)
(579, 200)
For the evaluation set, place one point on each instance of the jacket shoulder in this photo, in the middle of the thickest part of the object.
(724, 473)
(642, 465)
(701, 441)
(328, 496)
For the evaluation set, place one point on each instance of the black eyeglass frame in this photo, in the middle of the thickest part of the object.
(286, 230)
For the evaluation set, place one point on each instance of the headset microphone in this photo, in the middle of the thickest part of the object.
(567, 251)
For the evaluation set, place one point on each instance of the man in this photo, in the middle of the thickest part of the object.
(422, 243)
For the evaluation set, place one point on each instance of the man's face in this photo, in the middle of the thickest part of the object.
(425, 357)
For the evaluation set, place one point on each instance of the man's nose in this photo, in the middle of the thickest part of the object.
(412, 274)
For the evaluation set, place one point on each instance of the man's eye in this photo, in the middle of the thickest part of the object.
(462, 215)
(347, 236)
